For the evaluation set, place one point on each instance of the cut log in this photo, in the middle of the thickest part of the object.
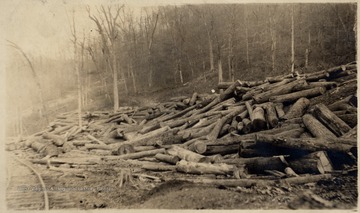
(214, 158)
(95, 139)
(351, 134)
(283, 89)
(279, 107)
(186, 154)
(224, 130)
(291, 97)
(314, 163)
(316, 128)
(306, 179)
(330, 120)
(293, 133)
(198, 147)
(167, 158)
(193, 98)
(240, 126)
(298, 109)
(57, 140)
(233, 126)
(258, 121)
(247, 127)
(308, 144)
(124, 149)
(223, 150)
(271, 115)
(204, 168)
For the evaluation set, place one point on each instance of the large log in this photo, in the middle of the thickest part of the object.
(222, 149)
(283, 89)
(291, 97)
(258, 165)
(330, 120)
(204, 168)
(316, 128)
(271, 115)
(186, 154)
(279, 107)
(351, 134)
(167, 158)
(315, 163)
(236, 139)
(308, 144)
(258, 117)
(198, 147)
(298, 109)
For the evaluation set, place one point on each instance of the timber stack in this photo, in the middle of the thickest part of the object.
(286, 126)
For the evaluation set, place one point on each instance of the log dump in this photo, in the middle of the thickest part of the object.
(293, 128)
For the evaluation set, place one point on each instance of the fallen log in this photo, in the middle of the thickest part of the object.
(308, 144)
(271, 115)
(291, 97)
(158, 167)
(351, 134)
(297, 109)
(306, 179)
(186, 154)
(167, 158)
(280, 90)
(222, 149)
(258, 119)
(316, 128)
(279, 107)
(204, 168)
(330, 120)
(247, 127)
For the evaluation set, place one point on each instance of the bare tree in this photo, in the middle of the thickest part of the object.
(74, 40)
(292, 41)
(107, 29)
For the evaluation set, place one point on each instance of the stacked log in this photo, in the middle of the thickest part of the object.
(281, 126)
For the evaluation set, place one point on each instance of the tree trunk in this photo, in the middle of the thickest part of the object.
(315, 163)
(167, 158)
(115, 82)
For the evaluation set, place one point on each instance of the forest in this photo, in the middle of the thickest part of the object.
(129, 51)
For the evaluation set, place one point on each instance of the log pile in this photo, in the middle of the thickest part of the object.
(282, 127)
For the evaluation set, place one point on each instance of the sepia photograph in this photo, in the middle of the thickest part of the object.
(181, 105)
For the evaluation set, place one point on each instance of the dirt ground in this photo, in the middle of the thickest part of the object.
(100, 187)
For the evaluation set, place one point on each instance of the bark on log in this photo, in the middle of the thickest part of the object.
(279, 107)
(271, 116)
(306, 179)
(258, 121)
(351, 134)
(222, 150)
(204, 168)
(283, 89)
(309, 144)
(291, 97)
(316, 128)
(314, 163)
(293, 133)
(186, 154)
(298, 109)
(330, 120)
(167, 158)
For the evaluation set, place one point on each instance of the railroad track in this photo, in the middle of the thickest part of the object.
(28, 189)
